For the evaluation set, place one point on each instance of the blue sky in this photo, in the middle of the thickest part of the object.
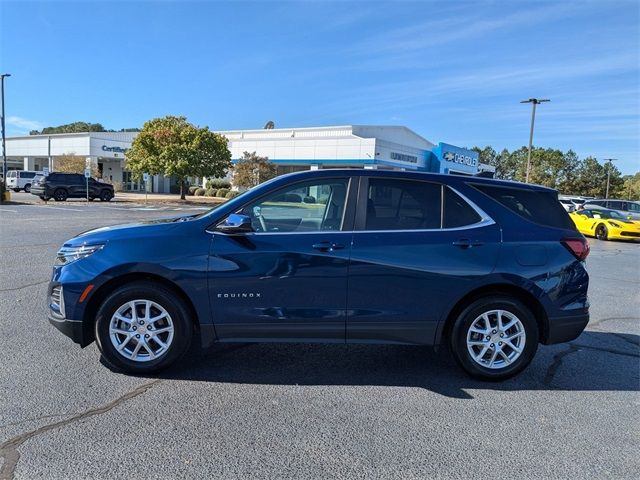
(452, 71)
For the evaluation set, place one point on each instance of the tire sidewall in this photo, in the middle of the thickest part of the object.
(172, 303)
(106, 196)
(62, 193)
(605, 232)
(458, 338)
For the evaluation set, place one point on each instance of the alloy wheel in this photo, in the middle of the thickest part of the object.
(141, 330)
(496, 339)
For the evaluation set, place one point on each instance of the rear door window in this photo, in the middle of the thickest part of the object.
(403, 205)
(541, 207)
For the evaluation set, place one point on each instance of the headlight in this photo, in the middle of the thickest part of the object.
(614, 224)
(67, 255)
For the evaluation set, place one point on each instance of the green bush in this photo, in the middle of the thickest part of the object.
(210, 192)
(192, 190)
(199, 192)
(222, 192)
(232, 194)
(217, 183)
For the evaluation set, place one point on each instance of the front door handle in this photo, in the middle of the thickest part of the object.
(327, 246)
(466, 243)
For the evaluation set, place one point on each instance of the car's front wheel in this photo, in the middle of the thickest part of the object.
(494, 338)
(106, 196)
(27, 188)
(143, 327)
(602, 233)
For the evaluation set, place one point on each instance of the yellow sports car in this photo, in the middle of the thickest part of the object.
(605, 224)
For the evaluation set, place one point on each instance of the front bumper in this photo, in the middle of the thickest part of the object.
(566, 328)
(74, 329)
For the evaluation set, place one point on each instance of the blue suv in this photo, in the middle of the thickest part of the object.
(489, 268)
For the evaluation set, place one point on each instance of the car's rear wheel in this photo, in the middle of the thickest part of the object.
(106, 196)
(602, 233)
(143, 328)
(91, 199)
(27, 188)
(494, 338)
(60, 195)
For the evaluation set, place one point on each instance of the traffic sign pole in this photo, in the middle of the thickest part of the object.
(87, 174)
(145, 178)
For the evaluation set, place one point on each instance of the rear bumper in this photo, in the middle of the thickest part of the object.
(565, 329)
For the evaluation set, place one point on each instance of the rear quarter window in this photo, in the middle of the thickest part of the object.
(457, 213)
(540, 207)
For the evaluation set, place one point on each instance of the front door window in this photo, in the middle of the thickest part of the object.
(308, 207)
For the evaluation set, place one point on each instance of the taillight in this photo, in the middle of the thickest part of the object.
(578, 246)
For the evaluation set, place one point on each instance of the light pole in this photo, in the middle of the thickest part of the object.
(534, 101)
(610, 160)
(4, 148)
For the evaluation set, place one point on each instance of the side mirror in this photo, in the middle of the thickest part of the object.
(235, 223)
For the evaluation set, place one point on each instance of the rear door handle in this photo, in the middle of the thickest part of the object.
(466, 243)
(327, 246)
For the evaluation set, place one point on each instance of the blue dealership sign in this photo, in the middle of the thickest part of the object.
(451, 159)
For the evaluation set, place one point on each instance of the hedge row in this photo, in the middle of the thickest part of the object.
(211, 192)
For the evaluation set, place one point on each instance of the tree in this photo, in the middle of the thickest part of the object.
(72, 163)
(172, 146)
(631, 187)
(252, 169)
(75, 127)
(78, 127)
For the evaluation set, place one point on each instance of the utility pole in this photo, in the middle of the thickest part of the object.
(609, 160)
(534, 101)
(4, 147)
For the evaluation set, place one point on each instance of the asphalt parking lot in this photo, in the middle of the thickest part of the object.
(306, 411)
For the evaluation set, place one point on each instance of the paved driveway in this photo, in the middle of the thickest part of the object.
(306, 411)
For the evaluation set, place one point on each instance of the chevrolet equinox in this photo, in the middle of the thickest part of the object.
(489, 268)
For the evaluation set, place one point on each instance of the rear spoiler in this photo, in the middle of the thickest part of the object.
(485, 174)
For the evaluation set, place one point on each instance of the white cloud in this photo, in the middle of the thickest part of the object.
(23, 124)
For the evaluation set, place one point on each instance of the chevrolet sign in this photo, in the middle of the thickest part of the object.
(460, 158)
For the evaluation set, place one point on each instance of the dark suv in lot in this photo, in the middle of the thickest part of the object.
(61, 186)
(489, 268)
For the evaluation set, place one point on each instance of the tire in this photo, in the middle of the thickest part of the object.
(91, 199)
(16, 190)
(106, 196)
(177, 341)
(60, 195)
(463, 339)
(27, 188)
(602, 233)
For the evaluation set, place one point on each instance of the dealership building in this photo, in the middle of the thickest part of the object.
(291, 149)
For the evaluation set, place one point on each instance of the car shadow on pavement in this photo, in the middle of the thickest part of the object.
(595, 361)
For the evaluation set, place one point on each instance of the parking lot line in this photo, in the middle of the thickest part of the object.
(7, 210)
(58, 208)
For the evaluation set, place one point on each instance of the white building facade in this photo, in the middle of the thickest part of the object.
(291, 149)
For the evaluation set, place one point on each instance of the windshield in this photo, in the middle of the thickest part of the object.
(607, 214)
